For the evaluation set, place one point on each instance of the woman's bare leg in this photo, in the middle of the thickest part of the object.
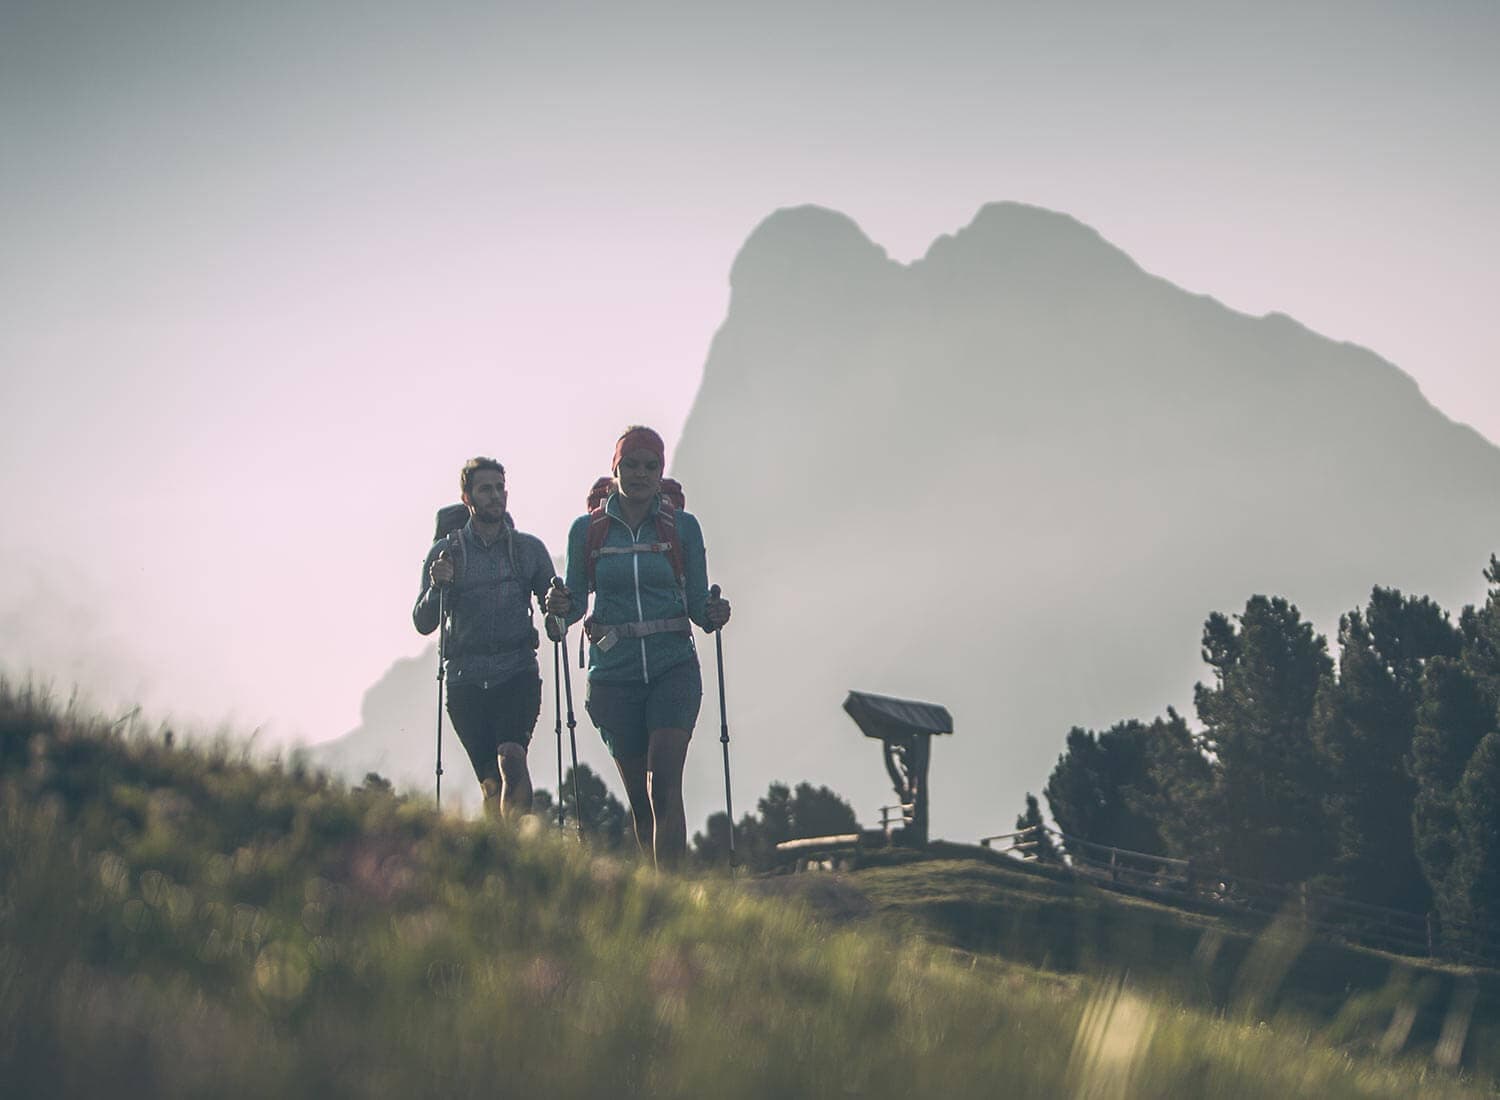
(664, 762)
(632, 771)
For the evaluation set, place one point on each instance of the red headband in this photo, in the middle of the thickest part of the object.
(639, 439)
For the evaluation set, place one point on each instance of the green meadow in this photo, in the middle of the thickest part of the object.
(185, 921)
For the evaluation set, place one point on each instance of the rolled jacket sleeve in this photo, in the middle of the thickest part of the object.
(576, 576)
(694, 568)
(539, 570)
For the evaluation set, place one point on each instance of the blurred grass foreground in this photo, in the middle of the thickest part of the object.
(180, 922)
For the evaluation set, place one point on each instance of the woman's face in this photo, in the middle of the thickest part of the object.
(639, 473)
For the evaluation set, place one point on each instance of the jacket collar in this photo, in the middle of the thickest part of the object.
(612, 508)
(507, 526)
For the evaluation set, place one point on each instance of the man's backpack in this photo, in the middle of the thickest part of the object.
(452, 518)
(667, 540)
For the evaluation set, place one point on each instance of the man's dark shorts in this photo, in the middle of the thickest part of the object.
(487, 717)
(627, 713)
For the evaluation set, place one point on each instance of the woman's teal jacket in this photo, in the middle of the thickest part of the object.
(638, 588)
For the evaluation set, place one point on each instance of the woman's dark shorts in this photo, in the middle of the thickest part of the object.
(487, 717)
(626, 713)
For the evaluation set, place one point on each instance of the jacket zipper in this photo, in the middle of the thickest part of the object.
(640, 610)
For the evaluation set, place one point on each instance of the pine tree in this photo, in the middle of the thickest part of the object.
(1082, 791)
(818, 811)
(782, 814)
(604, 816)
(1134, 786)
(775, 811)
(1257, 723)
(1453, 718)
(1364, 727)
(712, 844)
(543, 805)
(1475, 880)
(1179, 798)
(1481, 631)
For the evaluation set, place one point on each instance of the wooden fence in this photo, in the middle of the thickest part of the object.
(1328, 915)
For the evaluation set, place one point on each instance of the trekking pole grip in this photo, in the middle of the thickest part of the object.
(557, 625)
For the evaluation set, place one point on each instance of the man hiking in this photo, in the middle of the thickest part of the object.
(487, 573)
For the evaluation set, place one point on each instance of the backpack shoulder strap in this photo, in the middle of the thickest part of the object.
(666, 531)
(598, 522)
(460, 555)
(598, 532)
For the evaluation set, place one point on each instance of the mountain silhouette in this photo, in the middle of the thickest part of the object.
(1016, 475)
(397, 735)
(1012, 477)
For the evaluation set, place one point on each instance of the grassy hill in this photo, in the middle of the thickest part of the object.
(183, 922)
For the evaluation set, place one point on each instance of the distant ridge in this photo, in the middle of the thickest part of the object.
(1036, 245)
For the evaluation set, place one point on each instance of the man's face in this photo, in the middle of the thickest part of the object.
(486, 496)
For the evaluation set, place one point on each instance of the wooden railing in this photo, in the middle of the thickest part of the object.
(1327, 915)
(893, 816)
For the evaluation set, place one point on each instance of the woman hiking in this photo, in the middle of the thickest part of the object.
(642, 556)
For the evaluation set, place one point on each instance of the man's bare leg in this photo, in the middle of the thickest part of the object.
(516, 798)
(492, 789)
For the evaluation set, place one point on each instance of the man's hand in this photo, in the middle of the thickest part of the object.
(441, 571)
(716, 610)
(559, 601)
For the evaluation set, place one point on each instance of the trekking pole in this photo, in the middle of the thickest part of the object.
(724, 733)
(442, 660)
(557, 582)
(557, 710)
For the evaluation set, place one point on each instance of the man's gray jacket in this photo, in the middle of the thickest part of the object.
(491, 636)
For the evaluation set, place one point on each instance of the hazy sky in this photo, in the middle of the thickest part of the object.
(270, 272)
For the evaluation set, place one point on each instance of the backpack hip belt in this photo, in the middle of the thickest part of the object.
(606, 636)
(635, 548)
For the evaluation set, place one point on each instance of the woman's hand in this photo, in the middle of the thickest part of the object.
(716, 610)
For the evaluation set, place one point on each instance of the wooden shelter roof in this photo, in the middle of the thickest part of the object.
(883, 717)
